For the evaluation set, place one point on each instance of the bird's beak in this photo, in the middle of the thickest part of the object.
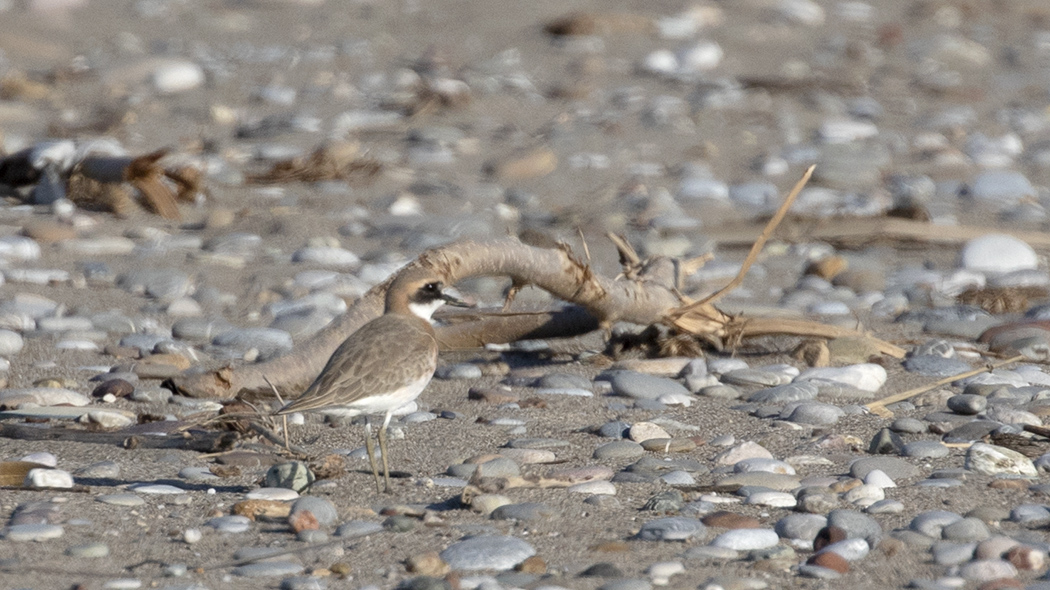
(454, 298)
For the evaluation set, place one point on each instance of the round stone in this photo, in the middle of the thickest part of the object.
(619, 449)
(746, 539)
(487, 552)
(997, 253)
(672, 529)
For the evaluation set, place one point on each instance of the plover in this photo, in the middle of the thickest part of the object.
(383, 365)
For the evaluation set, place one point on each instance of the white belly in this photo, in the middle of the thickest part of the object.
(382, 403)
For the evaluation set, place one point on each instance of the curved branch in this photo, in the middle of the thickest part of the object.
(643, 300)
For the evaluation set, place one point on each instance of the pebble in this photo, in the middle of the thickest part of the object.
(746, 539)
(865, 376)
(33, 532)
(646, 387)
(487, 552)
(994, 460)
(672, 529)
(619, 449)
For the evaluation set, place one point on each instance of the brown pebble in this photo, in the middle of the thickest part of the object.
(611, 547)
(1027, 558)
(1008, 484)
(533, 402)
(225, 471)
(841, 487)
(341, 569)
(830, 560)
(532, 565)
(122, 352)
(261, 508)
(730, 520)
(427, 564)
(491, 395)
(534, 164)
(48, 232)
(303, 520)
(890, 546)
(828, 267)
(827, 536)
(116, 387)
(169, 358)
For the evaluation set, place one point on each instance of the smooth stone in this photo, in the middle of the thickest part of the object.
(931, 523)
(966, 530)
(935, 366)
(997, 253)
(616, 429)
(88, 551)
(802, 527)
(984, 570)
(774, 499)
(642, 386)
(743, 451)
(48, 478)
(358, 528)
(619, 449)
(857, 525)
(947, 553)
(33, 532)
(746, 539)
(322, 510)
(599, 487)
(672, 529)
(782, 394)
(487, 552)
(129, 500)
(763, 464)
(814, 413)
(1031, 515)
(774, 481)
(538, 443)
(267, 569)
(994, 460)
(896, 469)
(967, 404)
(294, 475)
(852, 549)
(160, 489)
(643, 431)
(925, 449)
(230, 524)
(865, 377)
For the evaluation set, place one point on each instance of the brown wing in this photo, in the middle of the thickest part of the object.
(385, 354)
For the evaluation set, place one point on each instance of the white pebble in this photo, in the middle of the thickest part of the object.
(997, 253)
(49, 478)
(191, 536)
(177, 76)
(661, 61)
(278, 494)
(42, 458)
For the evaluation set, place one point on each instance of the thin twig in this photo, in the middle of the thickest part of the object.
(879, 407)
(284, 426)
(760, 243)
(586, 250)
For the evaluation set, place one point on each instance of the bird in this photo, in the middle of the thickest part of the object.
(385, 364)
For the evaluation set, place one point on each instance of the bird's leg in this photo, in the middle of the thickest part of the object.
(382, 451)
(370, 448)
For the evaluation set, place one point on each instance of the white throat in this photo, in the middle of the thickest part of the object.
(426, 310)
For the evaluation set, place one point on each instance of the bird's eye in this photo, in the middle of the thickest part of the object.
(432, 287)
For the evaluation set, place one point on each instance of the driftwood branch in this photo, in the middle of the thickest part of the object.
(646, 293)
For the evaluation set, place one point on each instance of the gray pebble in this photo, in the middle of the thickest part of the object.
(1031, 516)
(967, 404)
(33, 532)
(358, 528)
(908, 426)
(896, 469)
(642, 386)
(930, 365)
(487, 552)
(932, 523)
(617, 429)
(966, 530)
(267, 569)
(230, 524)
(619, 449)
(948, 553)
(458, 371)
(323, 510)
(782, 394)
(925, 449)
(800, 526)
(857, 525)
(304, 583)
(814, 413)
(672, 529)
